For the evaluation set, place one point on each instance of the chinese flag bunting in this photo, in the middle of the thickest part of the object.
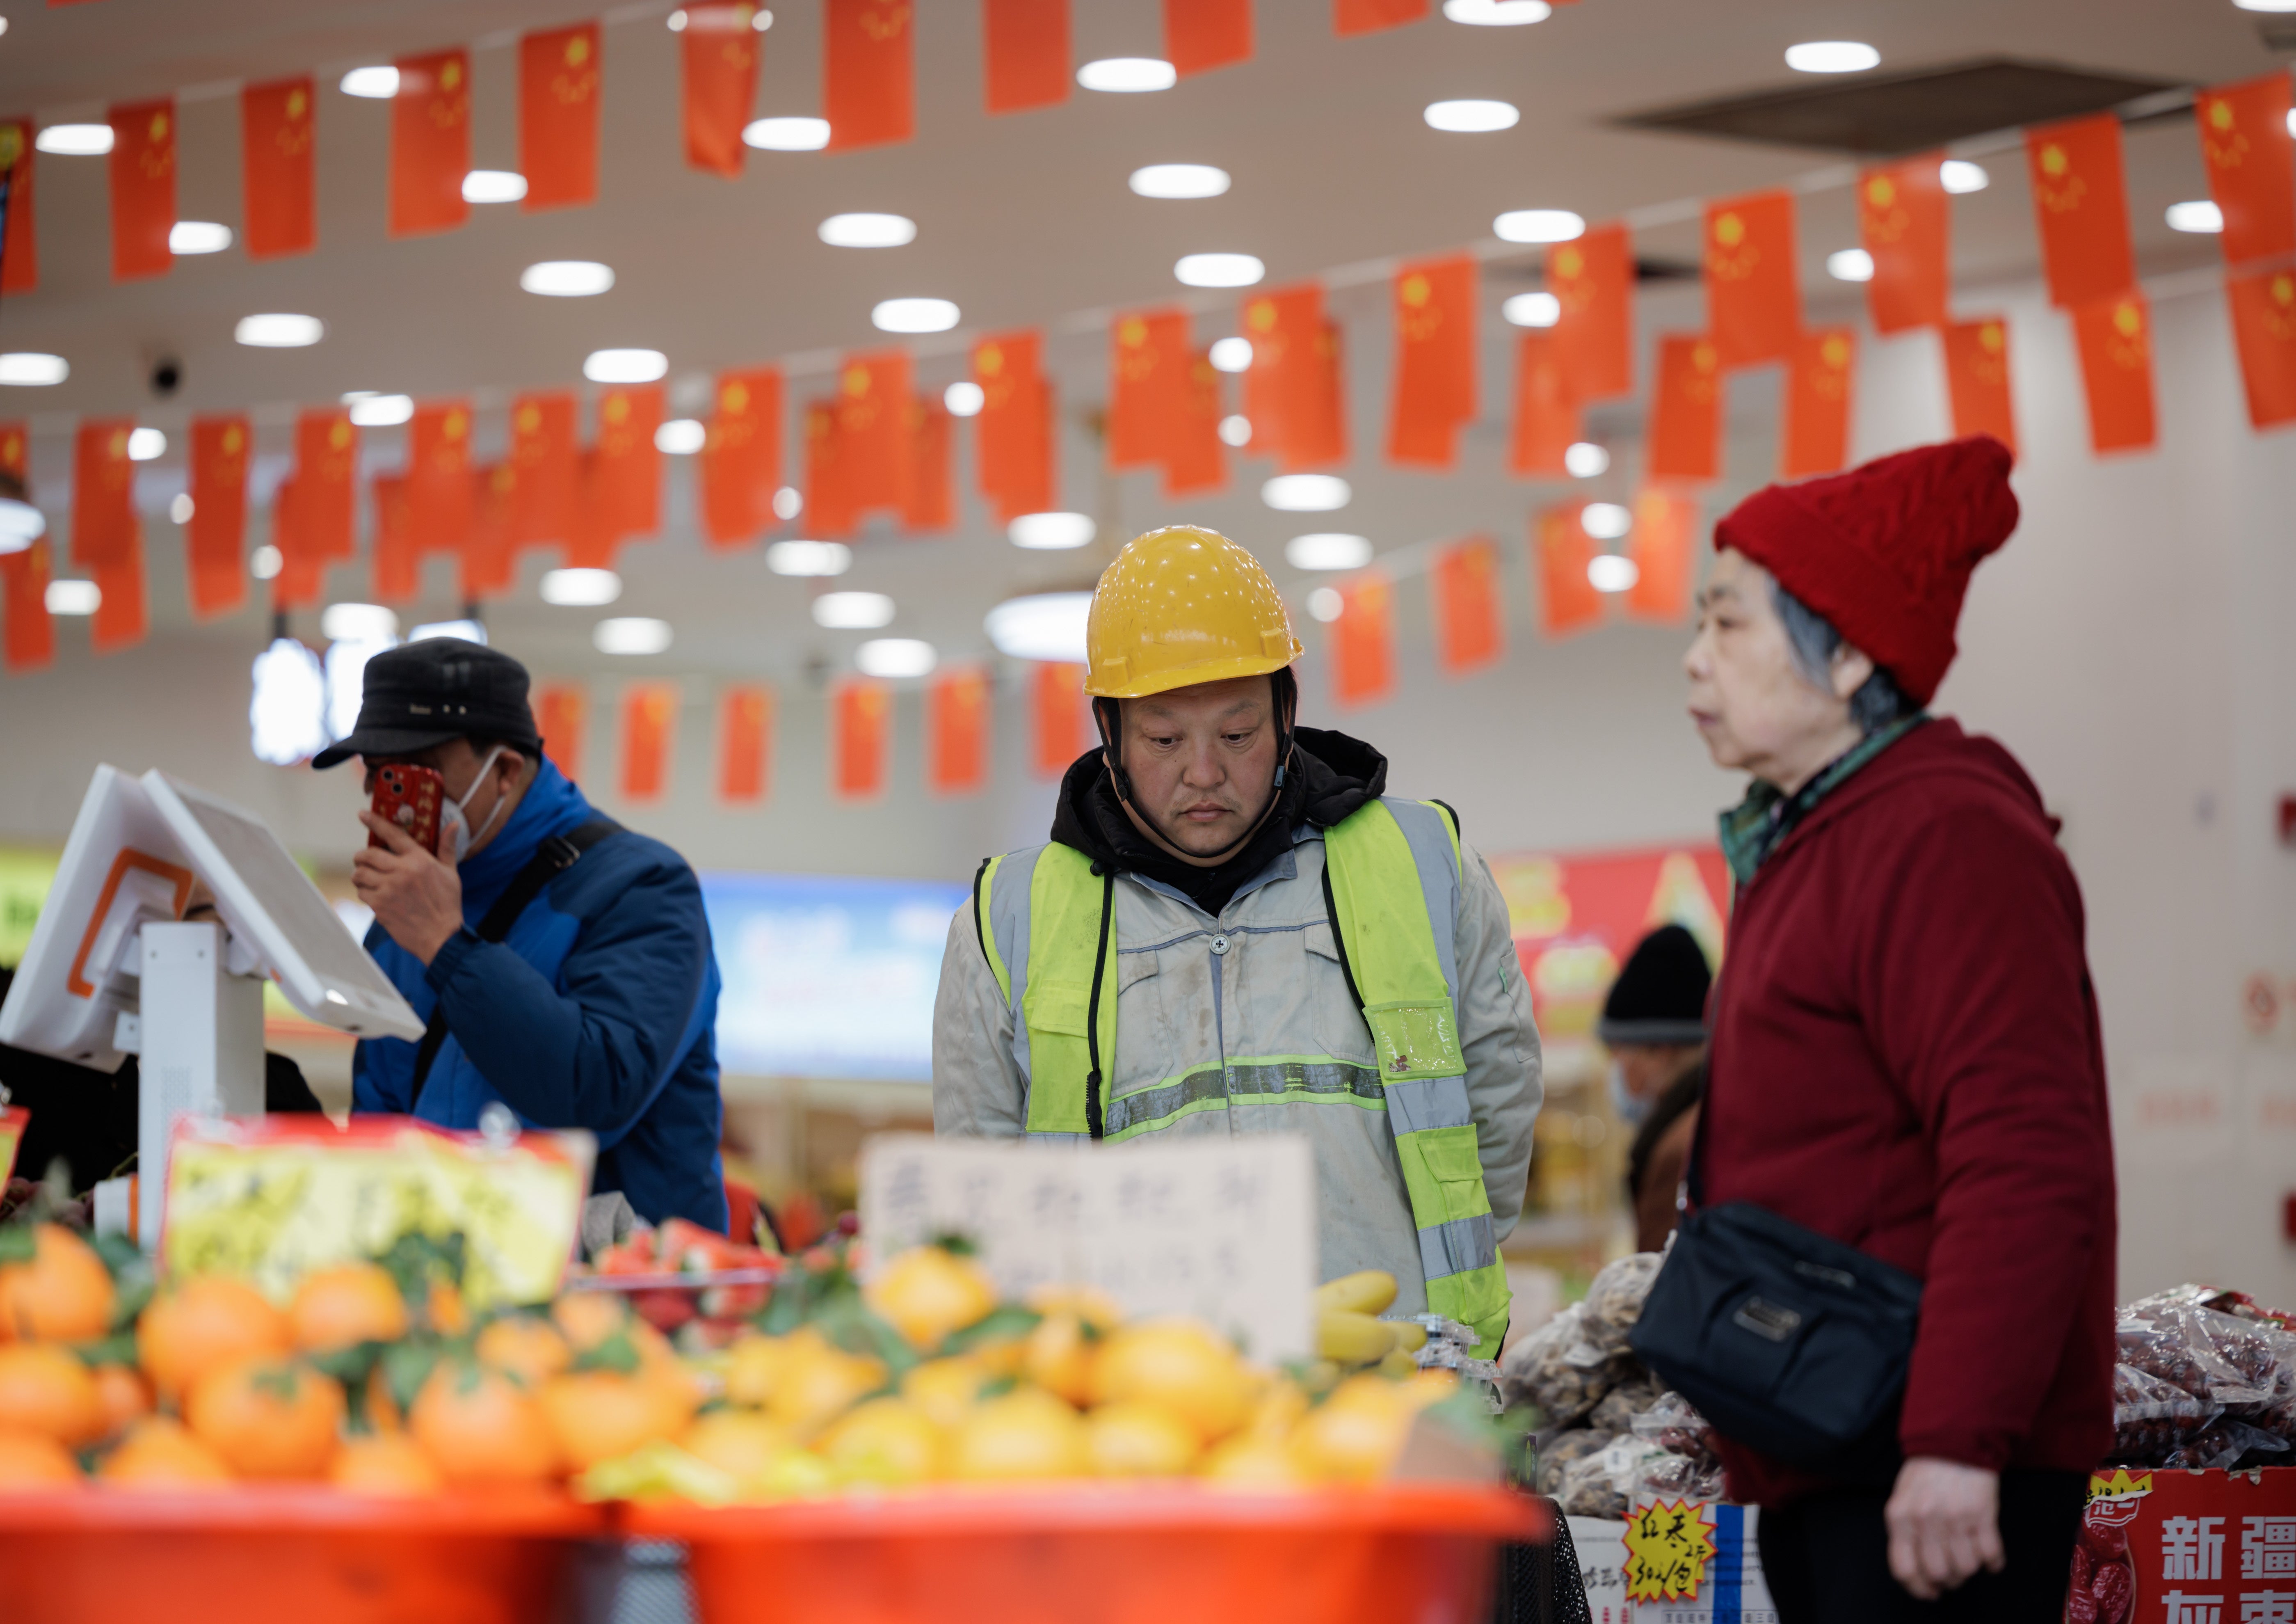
(1818, 388)
(2251, 154)
(397, 566)
(2264, 326)
(591, 539)
(649, 722)
(1546, 417)
(867, 72)
(1290, 391)
(872, 428)
(626, 478)
(1199, 459)
(1148, 388)
(302, 568)
(15, 450)
(120, 618)
(1026, 44)
(326, 471)
(956, 731)
(2115, 337)
(1567, 602)
(829, 508)
(143, 189)
(558, 115)
(741, 460)
(1057, 702)
(547, 465)
(1753, 304)
(1319, 434)
(1469, 628)
(1666, 541)
(2082, 205)
(561, 715)
(745, 744)
(1435, 360)
(1370, 16)
(719, 50)
(861, 737)
(216, 539)
(1014, 428)
(27, 638)
(1201, 35)
(1905, 223)
(1977, 379)
(103, 492)
(1593, 279)
(1363, 640)
(275, 159)
(438, 494)
(430, 143)
(1686, 427)
(929, 468)
(489, 558)
(20, 259)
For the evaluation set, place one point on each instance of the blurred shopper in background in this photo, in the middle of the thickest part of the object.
(1654, 1024)
(1905, 1049)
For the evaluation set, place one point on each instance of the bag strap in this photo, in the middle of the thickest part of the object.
(551, 859)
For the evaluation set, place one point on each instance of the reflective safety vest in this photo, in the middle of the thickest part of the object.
(1380, 882)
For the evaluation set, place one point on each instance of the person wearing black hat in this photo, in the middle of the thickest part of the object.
(563, 962)
(1654, 1025)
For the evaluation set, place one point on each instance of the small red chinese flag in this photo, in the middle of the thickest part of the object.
(1686, 425)
(430, 143)
(397, 566)
(143, 189)
(1593, 279)
(558, 115)
(1470, 631)
(1567, 602)
(1434, 361)
(1546, 417)
(720, 52)
(868, 72)
(20, 259)
(2115, 337)
(2082, 205)
(956, 731)
(561, 715)
(1905, 223)
(1362, 641)
(929, 468)
(1282, 388)
(745, 744)
(276, 161)
(1199, 460)
(216, 538)
(2250, 153)
(2264, 326)
(15, 450)
(625, 481)
(873, 424)
(861, 738)
(1320, 433)
(1148, 386)
(326, 471)
(649, 724)
(547, 462)
(1370, 16)
(103, 492)
(1012, 432)
(1819, 385)
(27, 638)
(741, 460)
(829, 508)
(1201, 35)
(1060, 711)
(302, 569)
(489, 558)
(1753, 303)
(1026, 45)
(1977, 379)
(1665, 545)
(438, 493)
(121, 614)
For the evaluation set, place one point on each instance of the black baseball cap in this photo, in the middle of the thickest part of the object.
(423, 694)
(1660, 994)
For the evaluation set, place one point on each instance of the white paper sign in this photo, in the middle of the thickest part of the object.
(1224, 1230)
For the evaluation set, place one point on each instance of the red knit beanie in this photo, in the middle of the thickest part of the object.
(1884, 550)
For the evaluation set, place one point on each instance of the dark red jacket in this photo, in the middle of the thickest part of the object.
(1905, 1057)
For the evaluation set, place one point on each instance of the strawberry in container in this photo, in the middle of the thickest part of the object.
(682, 1276)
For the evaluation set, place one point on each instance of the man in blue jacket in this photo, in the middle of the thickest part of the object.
(563, 962)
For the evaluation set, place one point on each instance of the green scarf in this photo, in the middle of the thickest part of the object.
(1752, 829)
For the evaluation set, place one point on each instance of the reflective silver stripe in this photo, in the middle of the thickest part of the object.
(1423, 1103)
(1056, 1138)
(1008, 917)
(1428, 833)
(1245, 1082)
(1457, 1246)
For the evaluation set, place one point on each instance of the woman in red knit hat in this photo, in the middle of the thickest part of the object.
(1906, 1055)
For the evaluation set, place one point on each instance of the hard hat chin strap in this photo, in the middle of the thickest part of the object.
(1108, 714)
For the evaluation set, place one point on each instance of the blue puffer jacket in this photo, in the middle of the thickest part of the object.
(598, 1010)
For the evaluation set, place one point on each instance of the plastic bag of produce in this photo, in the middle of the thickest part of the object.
(1674, 1424)
(1614, 1301)
(1603, 1484)
(1624, 1403)
(2151, 1417)
(1558, 1369)
(1677, 1477)
(1561, 1451)
(2171, 1341)
(2226, 1444)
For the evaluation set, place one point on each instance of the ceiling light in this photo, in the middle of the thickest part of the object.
(1849, 265)
(279, 330)
(74, 140)
(493, 186)
(1605, 521)
(1232, 354)
(376, 83)
(198, 237)
(680, 436)
(1472, 117)
(20, 525)
(266, 563)
(760, 21)
(581, 588)
(1306, 493)
(2292, 121)
(31, 368)
(1539, 225)
(567, 278)
(1325, 604)
(677, 21)
(625, 365)
(963, 398)
(786, 134)
(1218, 270)
(2265, 5)
(357, 623)
(1236, 431)
(630, 634)
(1532, 309)
(287, 708)
(808, 558)
(469, 631)
(895, 656)
(1959, 175)
(1612, 572)
(1497, 13)
(852, 612)
(1176, 180)
(382, 411)
(1585, 460)
(2197, 216)
(868, 230)
(789, 501)
(913, 315)
(146, 445)
(1051, 532)
(1832, 56)
(1042, 625)
(1128, 74)
(180, 508)
(73, 597)
(1327, 550)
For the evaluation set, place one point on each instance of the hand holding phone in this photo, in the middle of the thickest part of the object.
(410, 797)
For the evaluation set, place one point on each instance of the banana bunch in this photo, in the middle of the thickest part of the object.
(1349, 1331)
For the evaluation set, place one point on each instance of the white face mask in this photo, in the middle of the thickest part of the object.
(455, 830)
(1631, 1109)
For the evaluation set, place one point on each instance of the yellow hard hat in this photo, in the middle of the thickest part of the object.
(1180, 606)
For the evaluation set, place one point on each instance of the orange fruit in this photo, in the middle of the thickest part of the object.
(44, 1390)
(817, 1381)
(64, 1294)
(161, 1453)
(124, 1395)
(1135, 1439)
(203, 1324)
(886, 1440)
(1252, 1462)
(588, 1319)
(945, 1389)
(928, 1292)
(1180, 1365)
(525, 1346)
(384, 1463)
(268, 1417)
(381, 1410)
(1027, 1433)
(1057, 1358)
(444, 1307)
(1355, 1435)
(478, 1426)
(741, 1443)
(30, 1463)
(601, 1414)
(344, 1305)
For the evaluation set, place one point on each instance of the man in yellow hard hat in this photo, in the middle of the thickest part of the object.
(1234, 930)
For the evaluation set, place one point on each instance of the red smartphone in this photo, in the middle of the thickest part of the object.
(409, 796)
